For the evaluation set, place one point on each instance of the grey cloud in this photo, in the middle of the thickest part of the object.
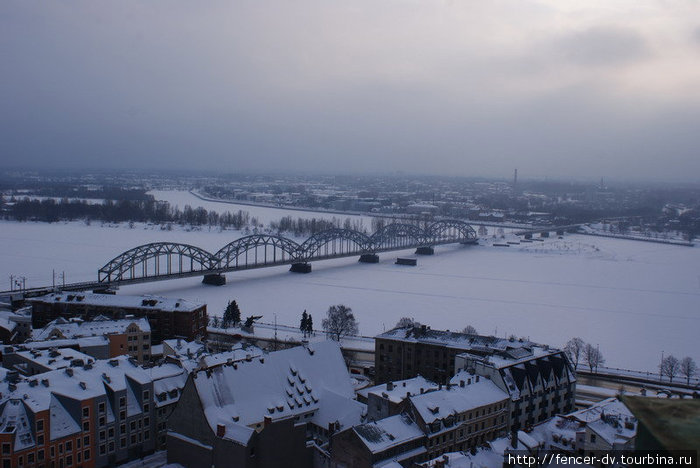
(604, 46)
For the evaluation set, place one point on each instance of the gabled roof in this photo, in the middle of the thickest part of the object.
(443, 403)
(388, 432)
(278, 385)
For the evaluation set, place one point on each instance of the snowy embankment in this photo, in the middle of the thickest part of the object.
(632, 299)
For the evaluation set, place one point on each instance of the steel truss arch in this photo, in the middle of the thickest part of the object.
(229, 255)
(125, 264)
(334, 239)
(448, 230)
(397, 235)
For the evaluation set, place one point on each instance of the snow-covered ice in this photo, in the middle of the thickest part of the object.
(633, 299)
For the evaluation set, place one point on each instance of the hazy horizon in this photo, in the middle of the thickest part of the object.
(559, 90)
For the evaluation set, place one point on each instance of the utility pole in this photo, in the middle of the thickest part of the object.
(12, 282)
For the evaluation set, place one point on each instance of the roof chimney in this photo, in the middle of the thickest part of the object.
(390, 386)
(477, 378)
(461, 383)
(267, 421)
(220, 430)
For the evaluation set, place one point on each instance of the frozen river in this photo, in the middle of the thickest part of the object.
(633, 299)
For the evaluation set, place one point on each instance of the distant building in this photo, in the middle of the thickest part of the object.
(607, 425)
(15, 327)
(389, 399)
(403, 353)
(540, 380)
(452, 418)
(130, 336)
(463, 416)
(271, 411)
(168, 317)
(396, 438)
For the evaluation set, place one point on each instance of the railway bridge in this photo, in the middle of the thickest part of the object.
(164, 260)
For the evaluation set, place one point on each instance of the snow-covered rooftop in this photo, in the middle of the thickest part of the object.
(440, 404)
(396, 391)
(118, 300)
(280, 385)
(55, 358)
(381, 435)
(97, 327)
(457, 340)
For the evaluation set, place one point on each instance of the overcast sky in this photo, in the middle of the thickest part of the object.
(555, 88)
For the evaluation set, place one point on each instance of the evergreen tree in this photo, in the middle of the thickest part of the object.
(235, 314)
(215, 322)
(227, 319)
(310, 325)
(304, 323)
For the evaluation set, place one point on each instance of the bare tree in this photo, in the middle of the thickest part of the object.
(470, 330)
(688, 368)
(670, 366)
(340, 321)
(405, 322)
(592, 357)
(574, 349)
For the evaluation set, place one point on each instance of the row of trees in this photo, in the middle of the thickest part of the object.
(671, 367)
(147, 211)
(304, 227)
(580, 352)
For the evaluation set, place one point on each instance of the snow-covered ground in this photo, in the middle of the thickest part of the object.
(633, 299)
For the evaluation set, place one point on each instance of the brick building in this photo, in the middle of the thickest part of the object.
(403, 353)
(92, 415)
(168, 317)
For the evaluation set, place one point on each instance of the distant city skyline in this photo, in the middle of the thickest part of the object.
(561, 90)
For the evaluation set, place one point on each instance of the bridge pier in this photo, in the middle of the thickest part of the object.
(425, 250)
(215, 279)
(300, 267)
(369, 258)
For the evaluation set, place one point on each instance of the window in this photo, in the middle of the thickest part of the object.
(60, 448)
(122, 415)
(69, 446)
(86, 455)
(146, 421)
(133, 425)
(147, 435)
(30, 458)
(122, 402)
(122, 442)
(146, 407)
(40, 455)
(69, 460)
(77, 442)
(102, 449)
(110, 433)
(86, 412)
(592, 438)
(133, 438)
(146, 394)
(101, 421)
(86, 426)
(101, 408)
(40, 440)
(39, 425)
(111, 446)
(6, 449)
(86, 441)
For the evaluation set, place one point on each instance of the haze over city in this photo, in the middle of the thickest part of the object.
(558, 89)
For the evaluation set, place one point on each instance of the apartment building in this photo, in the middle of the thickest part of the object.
(403, 353)
(130, 336)
(539, 380)
(168, 317)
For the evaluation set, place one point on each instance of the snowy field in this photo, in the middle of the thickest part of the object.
(634, 299)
